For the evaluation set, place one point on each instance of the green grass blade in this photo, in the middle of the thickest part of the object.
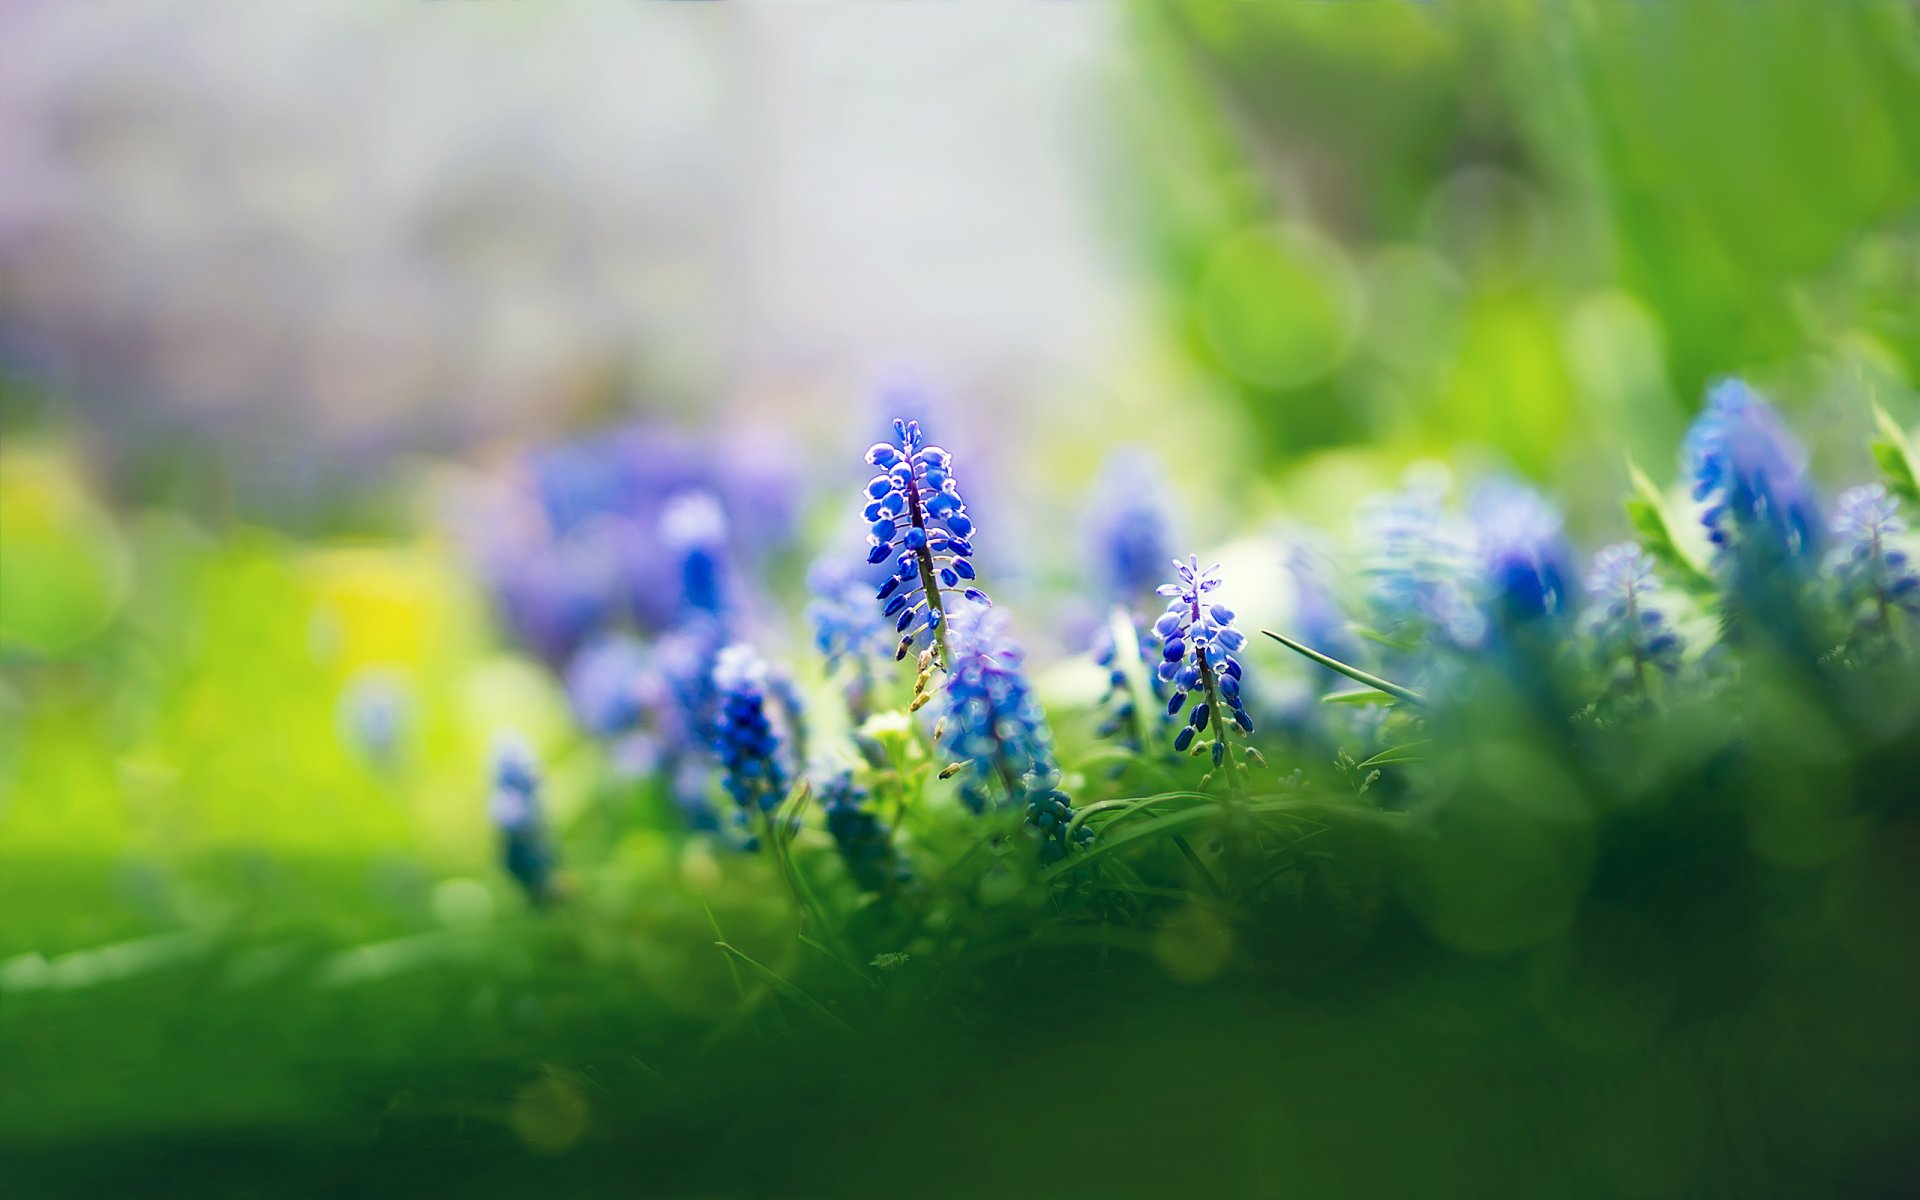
(784, 986)
(1403, 694)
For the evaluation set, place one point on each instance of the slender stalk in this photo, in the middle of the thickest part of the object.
(1235, 787)
(929, 581)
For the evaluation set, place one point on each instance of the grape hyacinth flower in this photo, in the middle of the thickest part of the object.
(1630, 638)
(917, 518)
(1128, 526)
(1420, 562)
(694, 528)
(1525, 563)
(1198, 642)
(743, 734)
(847, 630)
(1750, 472)
(864, 841)
(515, 808)
(996, 734)
(1872, 578)
(607, 684)
(1760, 512)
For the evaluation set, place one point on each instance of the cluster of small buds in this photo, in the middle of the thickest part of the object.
(515, 808)
(1525, 562)
(863, 839)
(1750, 473)
(744, 737)
(1198, 642)
(918, 520)
(1050, 815)
(1873, 578)
(1629, 636)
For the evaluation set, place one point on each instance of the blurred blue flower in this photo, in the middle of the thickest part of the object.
(1198, 642)
(1420, 562)
(1525, 561)
(626, 526)
(995, 733)
(847, 628)
(374, 711)
(694, 528)
(864, 841)
(1124, 720)
(1750, 472)
(607, 685)
(1628, 636)
(1873, 578)
(743, 734)
(515, 809)
(1128, 526)
(917, 519)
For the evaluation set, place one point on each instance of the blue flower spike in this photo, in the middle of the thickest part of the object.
(917, 520)
(1198, 642)
(1749, 474)
(751, 750)
(996, 735)
(1628, 635)
(1873, 578)
(514, 806)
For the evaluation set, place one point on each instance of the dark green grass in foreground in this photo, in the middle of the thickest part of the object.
(1698, 987)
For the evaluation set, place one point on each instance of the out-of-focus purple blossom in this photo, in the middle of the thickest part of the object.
(1750, 473)
(1317, 616)
(848, 629)
(1127, 526)
(514, 806)
(628, 527)
(1125, 721)
(1628, 635)
(694, 528)
(375, 710)
(607, 685)
(1420, 563)
(863, 839)
(1525, 561)
(756, 757)
(1873, 576)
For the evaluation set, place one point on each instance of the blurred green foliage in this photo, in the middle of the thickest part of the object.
(1532, 227)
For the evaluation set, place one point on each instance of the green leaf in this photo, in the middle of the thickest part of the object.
(1357, 696)
(1406, 694)
(1406, 753)
(1647, 512)
(1896, 457)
